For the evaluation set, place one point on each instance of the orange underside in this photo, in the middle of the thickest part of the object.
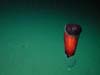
(70, 44)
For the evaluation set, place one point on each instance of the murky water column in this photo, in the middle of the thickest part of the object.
(71, 36)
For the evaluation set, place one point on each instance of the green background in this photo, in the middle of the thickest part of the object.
(31, 37)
